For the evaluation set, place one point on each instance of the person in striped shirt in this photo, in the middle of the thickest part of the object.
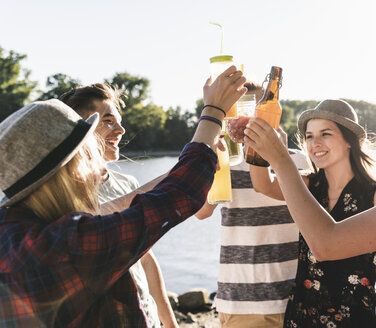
(259, 250)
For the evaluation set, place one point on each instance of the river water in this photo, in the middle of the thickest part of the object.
(189, 253)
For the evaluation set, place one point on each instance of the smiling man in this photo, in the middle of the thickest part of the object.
(109, 128)
(146, 274)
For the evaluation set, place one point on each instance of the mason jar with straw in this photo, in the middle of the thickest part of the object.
(221, 191)
(219, 64)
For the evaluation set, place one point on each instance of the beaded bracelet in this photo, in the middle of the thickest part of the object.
(211, 119)
(216, 107)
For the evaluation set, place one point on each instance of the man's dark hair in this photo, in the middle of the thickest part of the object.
(81, 98)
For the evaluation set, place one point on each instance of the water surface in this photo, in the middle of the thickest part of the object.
(189, 253)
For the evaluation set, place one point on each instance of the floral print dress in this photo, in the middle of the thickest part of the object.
(339, 293)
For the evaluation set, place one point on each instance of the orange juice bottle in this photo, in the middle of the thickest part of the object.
(218, 65)
(269, 109)
(220, 191)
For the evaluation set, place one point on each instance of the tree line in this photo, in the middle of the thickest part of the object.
(148, 126)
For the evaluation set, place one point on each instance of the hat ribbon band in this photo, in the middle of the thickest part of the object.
(55, 157)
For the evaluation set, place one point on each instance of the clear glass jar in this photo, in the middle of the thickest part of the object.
(218, 65)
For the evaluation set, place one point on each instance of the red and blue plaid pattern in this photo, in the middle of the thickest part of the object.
(74, 272)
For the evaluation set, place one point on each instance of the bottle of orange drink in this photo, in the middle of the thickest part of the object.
(269, 109)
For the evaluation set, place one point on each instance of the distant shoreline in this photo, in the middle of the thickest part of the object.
(148, 154)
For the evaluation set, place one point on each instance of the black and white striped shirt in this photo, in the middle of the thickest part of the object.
(259, 248)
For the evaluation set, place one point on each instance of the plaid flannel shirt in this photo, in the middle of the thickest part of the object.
(73, 272)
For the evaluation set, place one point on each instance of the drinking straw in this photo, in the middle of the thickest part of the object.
(221, 27)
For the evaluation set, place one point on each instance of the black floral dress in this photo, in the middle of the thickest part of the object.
(340, 293)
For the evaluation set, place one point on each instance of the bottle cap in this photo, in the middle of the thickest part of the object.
(223, 58)
(275, 72)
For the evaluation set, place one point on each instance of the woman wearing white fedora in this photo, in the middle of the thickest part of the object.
(60, 262)
(327, 293)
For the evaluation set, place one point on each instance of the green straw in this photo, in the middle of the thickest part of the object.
(221, 27)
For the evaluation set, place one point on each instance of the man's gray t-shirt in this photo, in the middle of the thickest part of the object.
(115, 186)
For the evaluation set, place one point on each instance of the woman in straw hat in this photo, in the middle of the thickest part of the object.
(327, 293)
(61, 263)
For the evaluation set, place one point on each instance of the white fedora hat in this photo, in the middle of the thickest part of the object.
(35, 142)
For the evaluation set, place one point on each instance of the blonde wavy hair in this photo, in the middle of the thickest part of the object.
(73, 188)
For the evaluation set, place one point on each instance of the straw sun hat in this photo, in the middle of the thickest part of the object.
(335, 110)
(35, 142)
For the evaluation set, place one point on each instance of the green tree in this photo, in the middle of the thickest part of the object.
(289, 124)
(136, 88)
(291, 110)
(15, 84)
(198, 108)
(178, 128)
(58, 84)
(299, 106)
(144, 126)
(366, 113)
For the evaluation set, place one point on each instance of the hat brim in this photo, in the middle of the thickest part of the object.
(92, 121)
(341, 120)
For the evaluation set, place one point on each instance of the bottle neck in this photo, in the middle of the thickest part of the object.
(272, 91)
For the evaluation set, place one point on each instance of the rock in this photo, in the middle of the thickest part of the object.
(190, 318)
(205, 308)
(194, 299)
(173, 298)
(180, 316)
(202, 320)
(212, 296)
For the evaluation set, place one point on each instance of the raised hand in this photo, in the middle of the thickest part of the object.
(226, 89)
(265, 140)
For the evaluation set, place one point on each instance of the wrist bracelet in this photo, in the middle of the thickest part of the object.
(211, 119)
(216, 107)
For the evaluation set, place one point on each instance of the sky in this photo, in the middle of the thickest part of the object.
(327, 48)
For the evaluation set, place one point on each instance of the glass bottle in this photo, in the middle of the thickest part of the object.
(269, 109)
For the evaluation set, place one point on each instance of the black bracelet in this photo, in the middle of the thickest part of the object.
(216, 107)
(211, 119)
